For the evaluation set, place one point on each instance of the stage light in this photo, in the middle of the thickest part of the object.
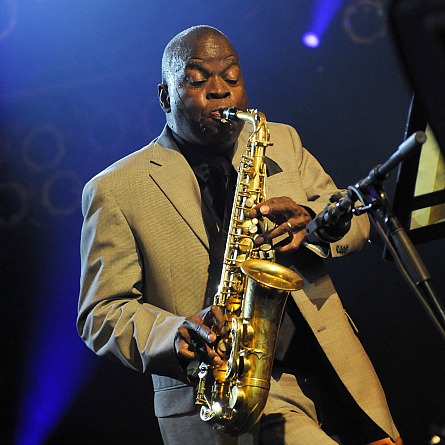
(311, 40)
(437, 434)
(323, 13)
(57, 363)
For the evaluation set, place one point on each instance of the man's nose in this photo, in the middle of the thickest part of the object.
(218, 88)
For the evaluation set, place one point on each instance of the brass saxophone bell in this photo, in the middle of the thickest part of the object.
(272, 275)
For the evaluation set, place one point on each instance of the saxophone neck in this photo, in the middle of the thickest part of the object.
(260, 133)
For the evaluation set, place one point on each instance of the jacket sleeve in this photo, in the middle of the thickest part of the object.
(319, 188)
(113, 318)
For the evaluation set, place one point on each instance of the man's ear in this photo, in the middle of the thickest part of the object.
(164, 97)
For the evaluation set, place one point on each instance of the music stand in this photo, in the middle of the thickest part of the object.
(421, 212)
(419, 32)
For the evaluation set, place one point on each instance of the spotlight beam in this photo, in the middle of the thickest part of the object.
(323, 14)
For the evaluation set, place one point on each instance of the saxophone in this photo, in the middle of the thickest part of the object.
(252, 294)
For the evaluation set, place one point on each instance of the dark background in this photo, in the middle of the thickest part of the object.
(78, 91)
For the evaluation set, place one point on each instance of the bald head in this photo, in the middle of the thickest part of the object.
(201, 76)
(181, 46)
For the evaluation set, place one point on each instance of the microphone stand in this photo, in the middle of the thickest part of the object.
(370, 192)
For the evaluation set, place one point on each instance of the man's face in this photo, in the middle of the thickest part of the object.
(208, 79)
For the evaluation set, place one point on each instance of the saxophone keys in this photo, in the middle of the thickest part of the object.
(246, 226)
(253, 228)
(250, 202)
(240, 259)
(200, 394)
(234, 303)
(250, 226)
(246, 245)
(203, 370)
(207, 414)
(223, 349)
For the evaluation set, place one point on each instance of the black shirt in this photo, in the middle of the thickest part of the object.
(217, 180)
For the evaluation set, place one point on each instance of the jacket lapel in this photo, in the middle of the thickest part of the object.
(173, 175)
(181, 188)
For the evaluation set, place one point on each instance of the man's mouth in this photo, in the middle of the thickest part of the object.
(216, 114)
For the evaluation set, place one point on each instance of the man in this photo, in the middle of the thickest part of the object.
(151, 257)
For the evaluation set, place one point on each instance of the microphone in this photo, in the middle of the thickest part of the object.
(333, 222)
(381, 171)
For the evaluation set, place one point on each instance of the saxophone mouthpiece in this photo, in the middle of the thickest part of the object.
(229, 114)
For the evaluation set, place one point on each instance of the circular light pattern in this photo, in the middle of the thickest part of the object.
(43, 148)
(61, 193)
(365, 21)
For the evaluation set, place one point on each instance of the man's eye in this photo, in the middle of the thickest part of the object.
(196, 83)
(232, 81)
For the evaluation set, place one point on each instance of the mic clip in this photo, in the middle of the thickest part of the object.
(331, 224)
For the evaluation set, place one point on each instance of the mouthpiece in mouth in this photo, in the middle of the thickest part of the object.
(230, 113)
(216, 114)
(224, 115)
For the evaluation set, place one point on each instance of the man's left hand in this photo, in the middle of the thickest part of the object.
(289, 217)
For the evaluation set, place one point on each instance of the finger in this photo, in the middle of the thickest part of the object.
(187, 352)
(203, 331)
(269, 207)
(297, 224)
(185, 348)
(294, 244)
(213, 317)
(219, 319)
(212, 356)
(277, 231)
(282, 206)
(208, 316)
(189, 348)
(254, 212)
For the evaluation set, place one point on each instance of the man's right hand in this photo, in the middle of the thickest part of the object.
(196, 334)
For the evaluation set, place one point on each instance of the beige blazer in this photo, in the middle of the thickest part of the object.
(144, 253)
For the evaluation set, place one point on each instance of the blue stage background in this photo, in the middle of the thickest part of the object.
(78, 86)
